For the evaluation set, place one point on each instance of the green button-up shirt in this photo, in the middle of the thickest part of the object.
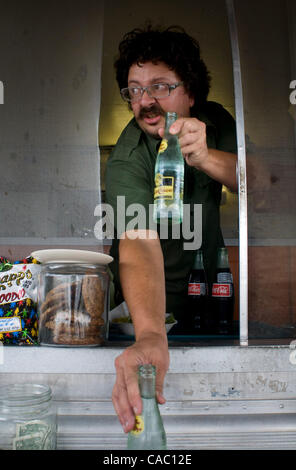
(130, 173)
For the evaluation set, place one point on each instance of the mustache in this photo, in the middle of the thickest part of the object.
(152, 109)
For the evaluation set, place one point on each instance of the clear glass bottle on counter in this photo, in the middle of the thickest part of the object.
(27, 417)
(73, 303)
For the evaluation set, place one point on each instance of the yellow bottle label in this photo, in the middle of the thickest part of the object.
(163, 146)
(158, 179)
(139, 426)
(164, 187)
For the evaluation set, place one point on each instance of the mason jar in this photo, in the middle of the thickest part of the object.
(27, 417)
(73, 304)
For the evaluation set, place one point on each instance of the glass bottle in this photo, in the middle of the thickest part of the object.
(197, 297)
(148, 432)
(223, 294)
(169, 177)
(27, 417)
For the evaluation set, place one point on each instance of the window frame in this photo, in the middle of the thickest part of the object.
(241, 177)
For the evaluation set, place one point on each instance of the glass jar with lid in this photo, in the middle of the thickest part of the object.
(27, 417)
(73, 304)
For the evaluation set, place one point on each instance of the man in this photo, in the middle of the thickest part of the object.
(159, 71)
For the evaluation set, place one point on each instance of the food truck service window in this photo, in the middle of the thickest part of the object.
(61, 114)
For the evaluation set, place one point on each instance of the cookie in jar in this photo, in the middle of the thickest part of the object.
(73, 303)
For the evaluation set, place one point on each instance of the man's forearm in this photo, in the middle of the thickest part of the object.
(141, 270)
(221, 166)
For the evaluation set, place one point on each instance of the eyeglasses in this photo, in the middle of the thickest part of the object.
(157, 90)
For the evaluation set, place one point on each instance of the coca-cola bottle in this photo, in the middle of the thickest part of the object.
(223, 294)
(197, 297)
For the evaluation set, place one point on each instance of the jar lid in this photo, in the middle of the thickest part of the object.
(71, 256)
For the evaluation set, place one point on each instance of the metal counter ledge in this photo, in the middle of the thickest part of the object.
(218, 396)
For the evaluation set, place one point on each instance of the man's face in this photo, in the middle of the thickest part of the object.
(150, 112)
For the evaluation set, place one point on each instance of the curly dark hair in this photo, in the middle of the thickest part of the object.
(173, 46)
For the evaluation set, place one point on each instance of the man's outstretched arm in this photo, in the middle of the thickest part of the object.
(141, 270)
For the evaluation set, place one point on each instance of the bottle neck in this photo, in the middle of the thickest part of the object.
(170, 118)
(198, 262)
(222, 258)
(147, 381)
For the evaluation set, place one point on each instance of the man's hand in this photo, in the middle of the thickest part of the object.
(193, 140)
(150, 349)
(221, 166)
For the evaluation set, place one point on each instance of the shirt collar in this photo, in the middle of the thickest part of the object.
(152, 143)
(138, 134)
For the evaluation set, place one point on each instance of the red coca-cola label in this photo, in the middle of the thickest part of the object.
(221, 290)
(196, 288)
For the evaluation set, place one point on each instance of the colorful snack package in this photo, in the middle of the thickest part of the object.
(18, 301)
